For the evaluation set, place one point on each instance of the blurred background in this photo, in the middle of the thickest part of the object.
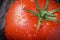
(4, 5)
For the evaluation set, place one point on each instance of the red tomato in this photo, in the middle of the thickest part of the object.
(22, 25)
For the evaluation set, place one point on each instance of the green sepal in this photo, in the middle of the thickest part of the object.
(38, 7)
(55, 10)
(32, 12)
(38, 26)
(46, 7)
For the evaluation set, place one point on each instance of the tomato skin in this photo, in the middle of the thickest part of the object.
(49, 31)
(19, 23)
(22, 25)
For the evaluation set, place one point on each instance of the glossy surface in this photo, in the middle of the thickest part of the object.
(22, 25)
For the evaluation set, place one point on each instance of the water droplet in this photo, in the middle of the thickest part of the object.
(16, 30)
(24, 6)
(31, 0)
(49, 31)
(47, 23)
(23, 17)
(26, 23)
(32, 30)
(35, 25)
(40, 30)
(22, 14)
(19, 16)
(19, 19)
(56, 14)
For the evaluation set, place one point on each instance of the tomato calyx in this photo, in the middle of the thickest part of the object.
(44, 14)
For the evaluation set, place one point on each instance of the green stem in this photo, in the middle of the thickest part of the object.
(32, 12)
(44, 15)
(38, 7)
(50, 14)
(46, 7)
(50, 18)
(39, 23)
(55, 10)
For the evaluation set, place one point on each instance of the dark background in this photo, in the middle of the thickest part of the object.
(4, 5)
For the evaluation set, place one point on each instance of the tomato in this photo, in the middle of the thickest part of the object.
(22, 25)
